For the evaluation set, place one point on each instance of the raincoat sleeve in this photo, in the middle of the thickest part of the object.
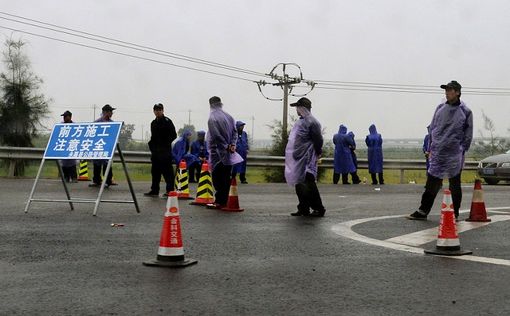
(317, 139)
(468, 131)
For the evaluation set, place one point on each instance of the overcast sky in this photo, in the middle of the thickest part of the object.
(391, 41)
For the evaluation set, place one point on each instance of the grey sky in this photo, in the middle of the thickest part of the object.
(391, 41)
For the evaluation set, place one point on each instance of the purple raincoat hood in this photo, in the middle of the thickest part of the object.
(342, 129)
(372, 129)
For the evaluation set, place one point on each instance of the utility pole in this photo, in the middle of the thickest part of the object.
(94, 117)
(286, 83)
(189, 117)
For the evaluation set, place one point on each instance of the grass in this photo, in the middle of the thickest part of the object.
(141, 172)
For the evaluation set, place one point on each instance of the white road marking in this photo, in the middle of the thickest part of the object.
(425, 236)
(345, 229)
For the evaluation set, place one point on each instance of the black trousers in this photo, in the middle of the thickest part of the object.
(162, 166)
(242, 176)
(70, 173)
(374, 178)
(345, 178)
(433, 186)
(194, 172)
(308, 195)
(221, 177)
(98, 166)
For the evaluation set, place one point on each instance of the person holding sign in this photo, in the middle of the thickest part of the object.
(106, 116)
(162, 135)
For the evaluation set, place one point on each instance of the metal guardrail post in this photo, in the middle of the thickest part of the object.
(402, 176)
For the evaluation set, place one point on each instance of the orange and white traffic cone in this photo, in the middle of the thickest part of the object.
(204, 189)
(448, 243)
(233, 199)
(478, 213)
(171, 251)
(182, 187)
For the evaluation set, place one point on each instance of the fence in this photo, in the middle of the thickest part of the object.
(27, 153)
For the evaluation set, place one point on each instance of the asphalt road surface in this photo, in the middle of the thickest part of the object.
(54, 261)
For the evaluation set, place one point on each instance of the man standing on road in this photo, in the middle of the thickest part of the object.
(106, 116)
(451, 132)
(375, 155)
(162, 135)
(242, 148)
(199, 150)
(221, 143)
(69, 165)
(301, 159)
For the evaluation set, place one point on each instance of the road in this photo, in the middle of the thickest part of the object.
(262, 261)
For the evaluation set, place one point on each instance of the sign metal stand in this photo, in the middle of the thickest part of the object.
(64, 137)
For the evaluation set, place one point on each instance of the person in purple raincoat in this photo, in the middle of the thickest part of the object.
(343, 163)
(221, 144)
(451, 133)
(301, 158)
(242, 148)
(375, 155)
(426, 147)
(199, 150)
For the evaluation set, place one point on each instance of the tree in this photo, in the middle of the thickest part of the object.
(22, 107)
(492, 144)
(126, 135)
(190, 127)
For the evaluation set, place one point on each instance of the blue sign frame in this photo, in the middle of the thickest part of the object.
(94, 140)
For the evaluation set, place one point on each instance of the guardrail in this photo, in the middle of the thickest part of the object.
(28, 153)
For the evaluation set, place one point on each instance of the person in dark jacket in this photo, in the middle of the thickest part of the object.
(354, 175)
(242, 148)
(162, 135)
(375, 155)
(69, 165)
(343, 163)
(199, 150)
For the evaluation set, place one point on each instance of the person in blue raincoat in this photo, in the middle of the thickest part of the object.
(302, 153)
(451, 133)
(375, 155)
(426, 147)
(343, 163)
(199, 150)
(182, 150)
(242, 149)
(354, 175)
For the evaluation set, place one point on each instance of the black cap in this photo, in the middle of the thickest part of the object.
(214, 100)
(107, 108)
(303, 102)
(452, 85)
(158, 106)
(66, 113)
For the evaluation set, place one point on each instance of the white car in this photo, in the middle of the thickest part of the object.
(495, 168)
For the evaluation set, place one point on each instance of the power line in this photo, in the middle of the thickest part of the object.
(109, 40)
(406, 91)
(399, 86)
(126, 54)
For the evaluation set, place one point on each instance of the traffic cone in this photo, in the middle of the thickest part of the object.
(233, 199)
(204, 190)
(182, 182)
(84, 171)
(448, 243)
(170, 251)
(478, 213)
